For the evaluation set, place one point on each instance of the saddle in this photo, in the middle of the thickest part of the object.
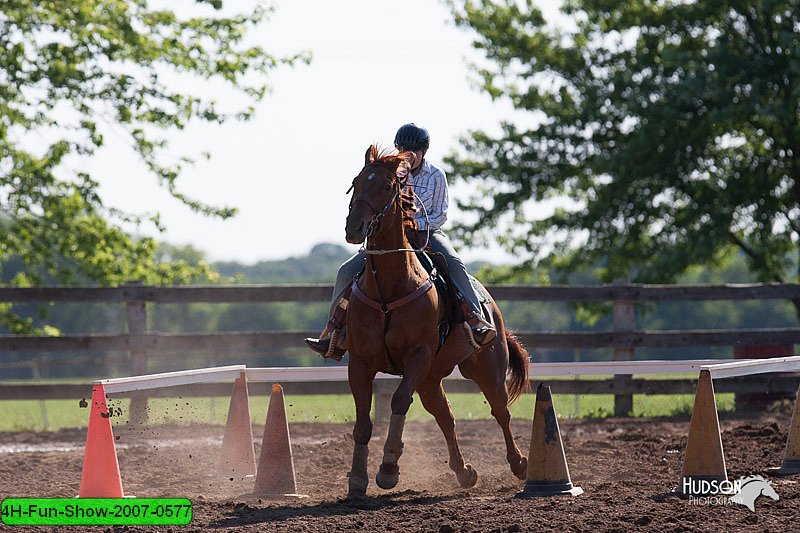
(435, 265)
(456, 308)
(437, 268)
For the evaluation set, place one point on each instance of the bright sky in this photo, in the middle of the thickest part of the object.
(375, 66)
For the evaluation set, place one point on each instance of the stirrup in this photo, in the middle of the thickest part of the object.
(479, 331)
(334, 350)
(479, 336)
(328, 347)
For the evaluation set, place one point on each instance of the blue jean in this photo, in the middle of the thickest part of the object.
(439, 244)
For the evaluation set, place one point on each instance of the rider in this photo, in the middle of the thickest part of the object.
(430, 187)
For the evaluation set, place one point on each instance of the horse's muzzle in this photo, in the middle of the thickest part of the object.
(354, 235)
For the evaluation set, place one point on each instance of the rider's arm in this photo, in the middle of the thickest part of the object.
(436, 199)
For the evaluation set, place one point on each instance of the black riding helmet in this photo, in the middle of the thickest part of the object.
(412, 137)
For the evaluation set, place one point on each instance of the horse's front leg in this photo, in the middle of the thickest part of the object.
(360, 378)
(416, 366)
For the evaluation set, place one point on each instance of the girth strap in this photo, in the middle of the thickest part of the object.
(386, 307)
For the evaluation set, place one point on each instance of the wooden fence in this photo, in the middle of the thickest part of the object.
(623, 339)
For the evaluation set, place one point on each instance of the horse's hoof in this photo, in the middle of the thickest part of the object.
(357, 486)
(388, 476)
(467, 477)
(355, 494)
(521, 468)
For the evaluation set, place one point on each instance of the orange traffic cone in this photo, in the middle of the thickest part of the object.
(275, 478)
(100, 477)
(548, 474)
(704, 460)
(238, 456)
(791, 457)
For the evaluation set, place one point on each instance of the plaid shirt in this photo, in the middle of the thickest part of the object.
(430, 187)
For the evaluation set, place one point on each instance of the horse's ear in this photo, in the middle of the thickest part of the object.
(404, 167)
(371, 155)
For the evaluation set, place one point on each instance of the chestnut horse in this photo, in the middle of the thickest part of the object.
(392, 327)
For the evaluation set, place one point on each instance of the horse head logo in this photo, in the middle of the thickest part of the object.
(751, 488)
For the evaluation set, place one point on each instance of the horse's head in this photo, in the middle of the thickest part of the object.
(764, 486)
(770, 492)
(751, 488)
(375, 190)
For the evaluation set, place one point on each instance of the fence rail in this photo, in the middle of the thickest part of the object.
(624, 339)
(274, 340)
(781, 384)
(631, 292)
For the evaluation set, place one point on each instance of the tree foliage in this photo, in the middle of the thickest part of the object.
(70, 71)
(671, 128)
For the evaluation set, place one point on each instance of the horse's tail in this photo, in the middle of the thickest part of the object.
(519, 363)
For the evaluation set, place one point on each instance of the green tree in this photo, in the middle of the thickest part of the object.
(672, 128)
(69, 70)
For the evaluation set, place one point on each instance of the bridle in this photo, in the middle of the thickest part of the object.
(378, 214)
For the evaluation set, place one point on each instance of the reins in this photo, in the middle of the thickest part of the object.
(424, 246)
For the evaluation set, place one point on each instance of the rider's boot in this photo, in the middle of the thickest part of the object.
(333, 346)
(481, 331)
(333, 342)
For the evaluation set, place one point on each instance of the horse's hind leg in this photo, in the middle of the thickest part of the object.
(492, 383)
(435, 402)
(361, 387)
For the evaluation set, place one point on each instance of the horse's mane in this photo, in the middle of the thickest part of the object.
(409, 210)
(391, 158)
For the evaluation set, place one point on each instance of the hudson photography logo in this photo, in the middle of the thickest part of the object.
(743, 491)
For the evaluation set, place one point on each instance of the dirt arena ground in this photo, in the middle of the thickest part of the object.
(626, 467)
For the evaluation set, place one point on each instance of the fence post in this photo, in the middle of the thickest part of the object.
(37, 375)
(760, 401)
(624, 320)
(137, 325)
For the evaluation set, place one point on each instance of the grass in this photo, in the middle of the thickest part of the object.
(38, 415)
